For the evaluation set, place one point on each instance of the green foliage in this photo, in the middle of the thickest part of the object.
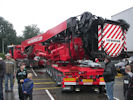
(7, 34)
(19, 39)
(2, 55)
(31, 31)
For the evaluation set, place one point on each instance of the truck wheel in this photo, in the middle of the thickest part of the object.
(101, 89)
(58, 82)
(67, 89)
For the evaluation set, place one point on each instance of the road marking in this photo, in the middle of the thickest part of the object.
(118, 76)
(116, 98)
(48, 88)
(34, 72)
(37, 89)
(42, 70)
(113, 97)
(49, 94)
(43, 79)
(45, 83)
(118, 83)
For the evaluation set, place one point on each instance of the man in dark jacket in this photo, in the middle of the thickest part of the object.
(127, 78)
(109, 77)
(21, 75)
(2, 71)
(130, 90)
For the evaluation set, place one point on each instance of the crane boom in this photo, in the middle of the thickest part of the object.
(40, 38)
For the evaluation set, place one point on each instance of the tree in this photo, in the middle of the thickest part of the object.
(7, 34)
(19, 39)
(31, 31)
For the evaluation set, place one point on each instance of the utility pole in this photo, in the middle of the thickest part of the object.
(3, 46)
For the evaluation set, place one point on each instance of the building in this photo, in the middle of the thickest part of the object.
(127, 15)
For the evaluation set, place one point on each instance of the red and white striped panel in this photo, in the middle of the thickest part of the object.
(99, 37)
(112, 38)
(125, 45)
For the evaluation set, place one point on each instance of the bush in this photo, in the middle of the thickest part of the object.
(2, 55)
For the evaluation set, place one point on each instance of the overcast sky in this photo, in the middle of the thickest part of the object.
(49, 13)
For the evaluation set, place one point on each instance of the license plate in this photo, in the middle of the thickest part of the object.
(69, 79)
(87, 80)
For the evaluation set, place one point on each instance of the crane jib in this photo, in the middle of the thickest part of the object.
(45, 36)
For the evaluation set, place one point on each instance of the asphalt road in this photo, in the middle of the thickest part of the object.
(45, 89)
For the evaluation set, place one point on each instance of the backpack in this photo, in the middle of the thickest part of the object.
(113, 69)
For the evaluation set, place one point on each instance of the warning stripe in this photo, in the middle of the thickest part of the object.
(112, 31)
(99, 34)
(99, 47)
(111, 51)
(108, 47)
(103, 31)
(115, 50)
(125, 48)
(112, 48)
(115, 32)
(125, 42)
(118, 34)
(121, 36)
(99, 27)
(125, 45)
(109, 36)
(99, 37)
(119, 50)
(106, 29)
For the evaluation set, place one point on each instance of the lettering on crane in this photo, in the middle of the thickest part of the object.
(35, 40)
(113, 40)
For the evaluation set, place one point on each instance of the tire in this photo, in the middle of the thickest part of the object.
(66, 90)
(101, 89)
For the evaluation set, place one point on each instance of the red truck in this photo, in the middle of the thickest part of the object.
(16, 54)
(69, 50)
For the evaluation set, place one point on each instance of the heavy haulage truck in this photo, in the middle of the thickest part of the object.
(69, 50)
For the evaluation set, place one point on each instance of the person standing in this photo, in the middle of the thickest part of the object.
(2, 72)
(10, 72)
(109, 77)
(127, 78)
(27, 87)
(130, 90)
(21, 75)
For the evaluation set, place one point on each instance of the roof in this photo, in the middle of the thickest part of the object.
(131, 8)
